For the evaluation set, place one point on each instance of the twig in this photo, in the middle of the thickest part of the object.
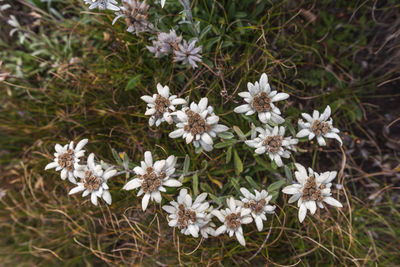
(263, 244)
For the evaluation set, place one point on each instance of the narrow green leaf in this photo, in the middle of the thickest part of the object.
(125, 159)
(215, 199)
(226, 135)
(228, 155)
(204, 164)
(195, 185)
(239, 132)
(288, 174)
(198, 150)
(235, 183)
(274, 195)
(116, 156)
(133, 82)
(205, 31)
(225, 143)
(186, 164)
(275, 186)
(251, 182)
(237, 163)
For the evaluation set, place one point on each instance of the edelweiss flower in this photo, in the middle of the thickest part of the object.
(66, 159)
(103, 4)
(161, 106)
(273, 142)
(258, 204)
(207, 227)
(187, 215)
(165, 43)
(318, 126)
(152, 178)
(233, 218)
(312, 190)
(198, 124)
(136, 15)
(261, 99)
(94, 181)
(188, 53)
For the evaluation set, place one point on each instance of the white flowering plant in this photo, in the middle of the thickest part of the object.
(198, 123)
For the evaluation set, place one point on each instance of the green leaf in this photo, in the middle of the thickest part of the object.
(226, 135)
(198, 150)
(133, 82)
(225, 143)
(116, 156)
(275, 186)
(186, 164)
(251, 182)
(204, 164)
(237, 163)
(216, 199)
(195, 185)
(274, 195)
(235, 183)
(288, 174)
(125, 161)
(239, 132)
(228, 155)
(205, 31)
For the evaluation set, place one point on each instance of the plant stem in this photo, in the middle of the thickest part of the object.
(186, 6)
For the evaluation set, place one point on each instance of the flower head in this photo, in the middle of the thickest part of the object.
(198, 124)
(152, 178)
(66, 159)
(103, 4)
(233, 218)
(311, 190)
(187, 215)
(319, 126)
(261, 99)
(161, 106)
(94, 181)
(136, 16)
(258, 204)
(273, 142)
(165, 43)
(188, 53)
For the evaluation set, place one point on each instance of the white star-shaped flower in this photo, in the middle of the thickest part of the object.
(273, 142)
(152, 178)
(94, 181)
(311, 190)
(319, 126)
(161, 106)
(198, 124)
(261, 99)
(258, 204)
(103, 4)
(233, 218)
(187, 215)
(66, 159)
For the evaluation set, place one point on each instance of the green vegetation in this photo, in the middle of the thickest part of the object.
(77, 76)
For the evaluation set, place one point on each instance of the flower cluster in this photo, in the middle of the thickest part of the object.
(136, 15)
(198, 124)
(161, 107)
(93, 177)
